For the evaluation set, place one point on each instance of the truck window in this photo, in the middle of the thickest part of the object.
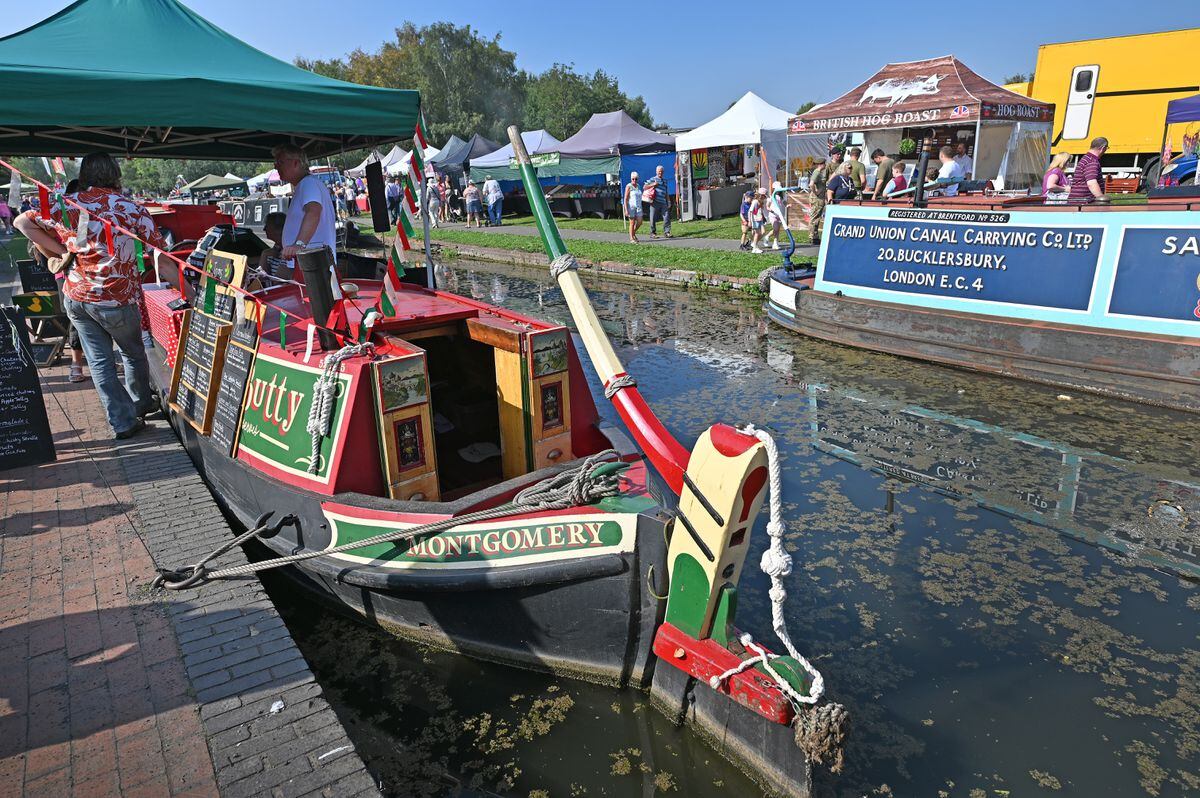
(1083, 81)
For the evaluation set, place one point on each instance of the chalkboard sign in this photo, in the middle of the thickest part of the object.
(25, 437)
(35, 277)
(194, 381)
(229, 269)
(231, 393)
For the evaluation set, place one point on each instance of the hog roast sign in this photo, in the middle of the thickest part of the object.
(919, 94)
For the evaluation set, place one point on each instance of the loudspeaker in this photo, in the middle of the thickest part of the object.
(377, 198)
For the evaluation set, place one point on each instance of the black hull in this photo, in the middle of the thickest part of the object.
(588, 618)
(592, 619)
(1158, 370)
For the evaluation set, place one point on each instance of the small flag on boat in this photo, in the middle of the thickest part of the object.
(959, 111)
(59, 169)
(389, 297)
(368, 322)
(140, 255)
(44, 201)
(282, 329)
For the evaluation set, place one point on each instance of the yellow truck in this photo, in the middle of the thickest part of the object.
(1118, 88)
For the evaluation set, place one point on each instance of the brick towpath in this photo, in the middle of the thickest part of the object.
(109, 689)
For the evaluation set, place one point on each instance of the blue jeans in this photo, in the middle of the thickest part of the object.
(495, 208)
(660, 211)
(99, 328)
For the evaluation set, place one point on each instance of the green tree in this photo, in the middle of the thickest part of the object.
(1019, 77)
(561, 100)
(468, 83)
(806, 107)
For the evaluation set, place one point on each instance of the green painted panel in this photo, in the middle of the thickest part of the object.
(688, 597)
(725, 615)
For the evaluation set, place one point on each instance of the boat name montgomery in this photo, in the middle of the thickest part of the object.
(508, 541)
(270, 398)
(971, 236)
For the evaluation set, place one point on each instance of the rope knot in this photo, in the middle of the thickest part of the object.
(776, 562)
(619, 382)
(563, 263)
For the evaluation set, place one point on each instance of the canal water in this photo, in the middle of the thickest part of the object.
(997, 579)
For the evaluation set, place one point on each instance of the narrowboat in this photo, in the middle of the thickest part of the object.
(399, 462)
(1098, 298)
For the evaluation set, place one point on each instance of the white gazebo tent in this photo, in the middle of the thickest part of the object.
(361, 169)
(395, 155)
(400, 167)
(742, 124)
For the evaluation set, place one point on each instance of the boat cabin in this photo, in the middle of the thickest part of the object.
(457, 396)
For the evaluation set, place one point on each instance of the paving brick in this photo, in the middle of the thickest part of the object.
(111, 689)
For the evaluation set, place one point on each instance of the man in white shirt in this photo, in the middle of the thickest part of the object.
(962, 159)
(310, 216)
(494, 197)
(951, 173)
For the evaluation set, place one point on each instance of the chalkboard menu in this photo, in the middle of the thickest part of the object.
(198, 369)
(231, 393)
(25, 437)
(229, 269)
(35, 277)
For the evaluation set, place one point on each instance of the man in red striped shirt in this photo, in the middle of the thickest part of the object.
(1087, 184)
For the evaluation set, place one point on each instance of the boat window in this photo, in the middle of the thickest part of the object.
(1083, 81)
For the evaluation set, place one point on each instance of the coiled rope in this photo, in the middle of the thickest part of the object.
(618, 382)
(597, 477)
(325, 394)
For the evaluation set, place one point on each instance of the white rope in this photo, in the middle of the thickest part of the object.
(776, 563)
(320, 412)
(563, 263)
(618, 382)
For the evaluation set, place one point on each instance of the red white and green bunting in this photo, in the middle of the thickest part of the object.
(420, 136)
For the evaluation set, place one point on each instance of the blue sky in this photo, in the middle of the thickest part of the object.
(690, 60)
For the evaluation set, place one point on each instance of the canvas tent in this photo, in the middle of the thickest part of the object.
(743, 123)
(1011, 132)
(401, 166)
(395, 155)
(497, 164)
(361, 169)
(200, 93)
(456, 153)
(614, 133)
(211, 183)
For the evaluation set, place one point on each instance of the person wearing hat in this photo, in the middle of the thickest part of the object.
(632, 206)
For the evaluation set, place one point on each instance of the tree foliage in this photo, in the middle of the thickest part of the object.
(806, 107)
(1019, 77)
(561, 100)
(468, 83)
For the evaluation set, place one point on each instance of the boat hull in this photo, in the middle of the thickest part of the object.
(1160, 370)
(585, 617)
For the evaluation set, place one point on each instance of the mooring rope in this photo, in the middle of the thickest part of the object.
(597, 477)
(324, 394)
(819, 730)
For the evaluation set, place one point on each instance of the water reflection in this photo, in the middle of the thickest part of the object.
(995, 579)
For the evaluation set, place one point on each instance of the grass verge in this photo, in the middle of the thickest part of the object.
(703, 261)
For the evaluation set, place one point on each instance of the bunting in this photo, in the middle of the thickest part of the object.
(420, 136)
(44, 202)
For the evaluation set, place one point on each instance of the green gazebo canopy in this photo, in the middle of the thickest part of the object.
(151, 78)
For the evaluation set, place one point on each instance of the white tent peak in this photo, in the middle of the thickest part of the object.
(743, 123)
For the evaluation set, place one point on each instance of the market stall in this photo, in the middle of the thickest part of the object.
(920, 106)
(213, 184)
(593, 166)
(361, 169)
(718, 159)
(456, 153)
